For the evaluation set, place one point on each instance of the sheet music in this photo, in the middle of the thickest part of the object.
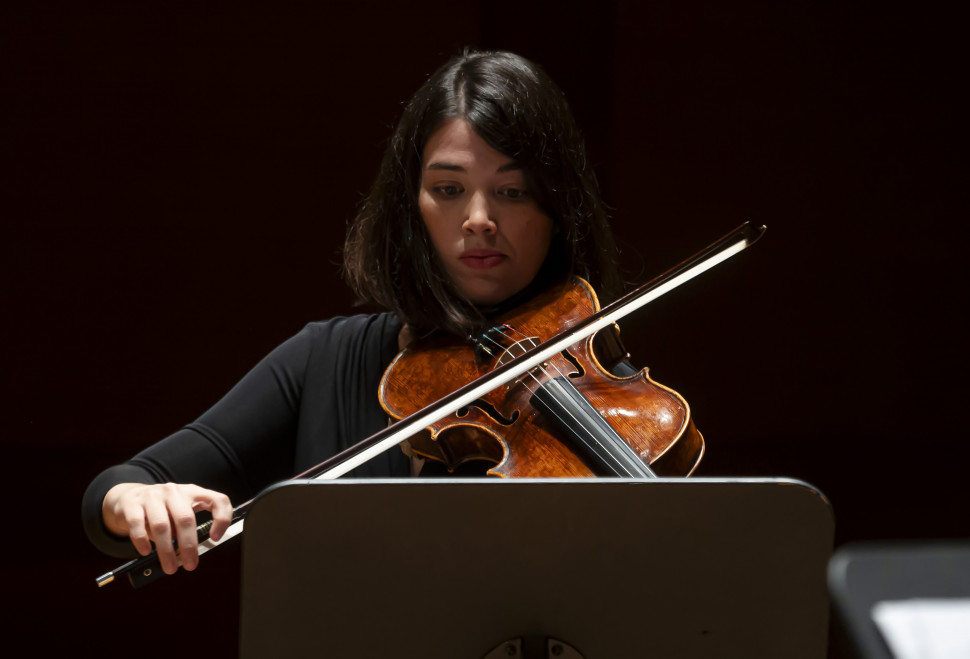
(925, 628)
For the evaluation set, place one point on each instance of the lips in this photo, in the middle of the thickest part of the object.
(481, 259)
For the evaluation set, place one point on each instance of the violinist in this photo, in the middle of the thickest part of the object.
(484, 197)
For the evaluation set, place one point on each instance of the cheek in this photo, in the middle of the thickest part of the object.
(424, 204)
(540, 237)
(429, 215)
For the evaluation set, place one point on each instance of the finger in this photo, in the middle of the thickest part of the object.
(183, 518)
(134, 516)
(219, 505)
(160, 530)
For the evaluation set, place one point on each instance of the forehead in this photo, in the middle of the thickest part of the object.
(456, 143)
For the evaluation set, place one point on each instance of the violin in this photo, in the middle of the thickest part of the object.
(507, 367)
(571, 416)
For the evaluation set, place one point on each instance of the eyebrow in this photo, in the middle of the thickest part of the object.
(447, 166)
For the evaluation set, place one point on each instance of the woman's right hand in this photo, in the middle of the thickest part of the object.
(161, 513)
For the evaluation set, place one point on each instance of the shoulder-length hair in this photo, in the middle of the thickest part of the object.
(519, 111)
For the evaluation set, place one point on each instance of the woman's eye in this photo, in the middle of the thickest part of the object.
(448, 190)
(514, 193)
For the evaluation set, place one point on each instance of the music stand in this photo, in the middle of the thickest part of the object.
(473, 568)
(863, 574)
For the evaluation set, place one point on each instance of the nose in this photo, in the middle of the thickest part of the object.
(478, 216)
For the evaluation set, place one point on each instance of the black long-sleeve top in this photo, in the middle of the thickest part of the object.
(310, 398)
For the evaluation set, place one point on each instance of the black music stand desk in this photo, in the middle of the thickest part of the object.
(593, 568)
(913, 577)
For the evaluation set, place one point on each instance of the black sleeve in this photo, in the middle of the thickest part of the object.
(251, 437)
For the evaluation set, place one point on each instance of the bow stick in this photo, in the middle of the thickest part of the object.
(146, 568)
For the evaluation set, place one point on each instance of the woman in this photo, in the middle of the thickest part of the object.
(483, 198)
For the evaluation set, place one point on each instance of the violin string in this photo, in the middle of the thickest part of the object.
(618, 445)
(496, 355)
(530, 374)
(518, 344)
(616, 448)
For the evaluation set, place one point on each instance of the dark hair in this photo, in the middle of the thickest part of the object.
(516, 109)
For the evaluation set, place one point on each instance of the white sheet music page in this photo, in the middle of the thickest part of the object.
(925, 628)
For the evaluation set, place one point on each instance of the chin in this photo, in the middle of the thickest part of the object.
(486, 302)
(487, 298)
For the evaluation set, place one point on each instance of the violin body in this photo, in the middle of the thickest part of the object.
(506, 429)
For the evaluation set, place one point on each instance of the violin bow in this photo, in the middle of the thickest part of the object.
(145, 569)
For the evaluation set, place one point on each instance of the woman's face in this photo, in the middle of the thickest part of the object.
(488, 230)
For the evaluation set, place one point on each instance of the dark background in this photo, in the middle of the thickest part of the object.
(178, 180)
